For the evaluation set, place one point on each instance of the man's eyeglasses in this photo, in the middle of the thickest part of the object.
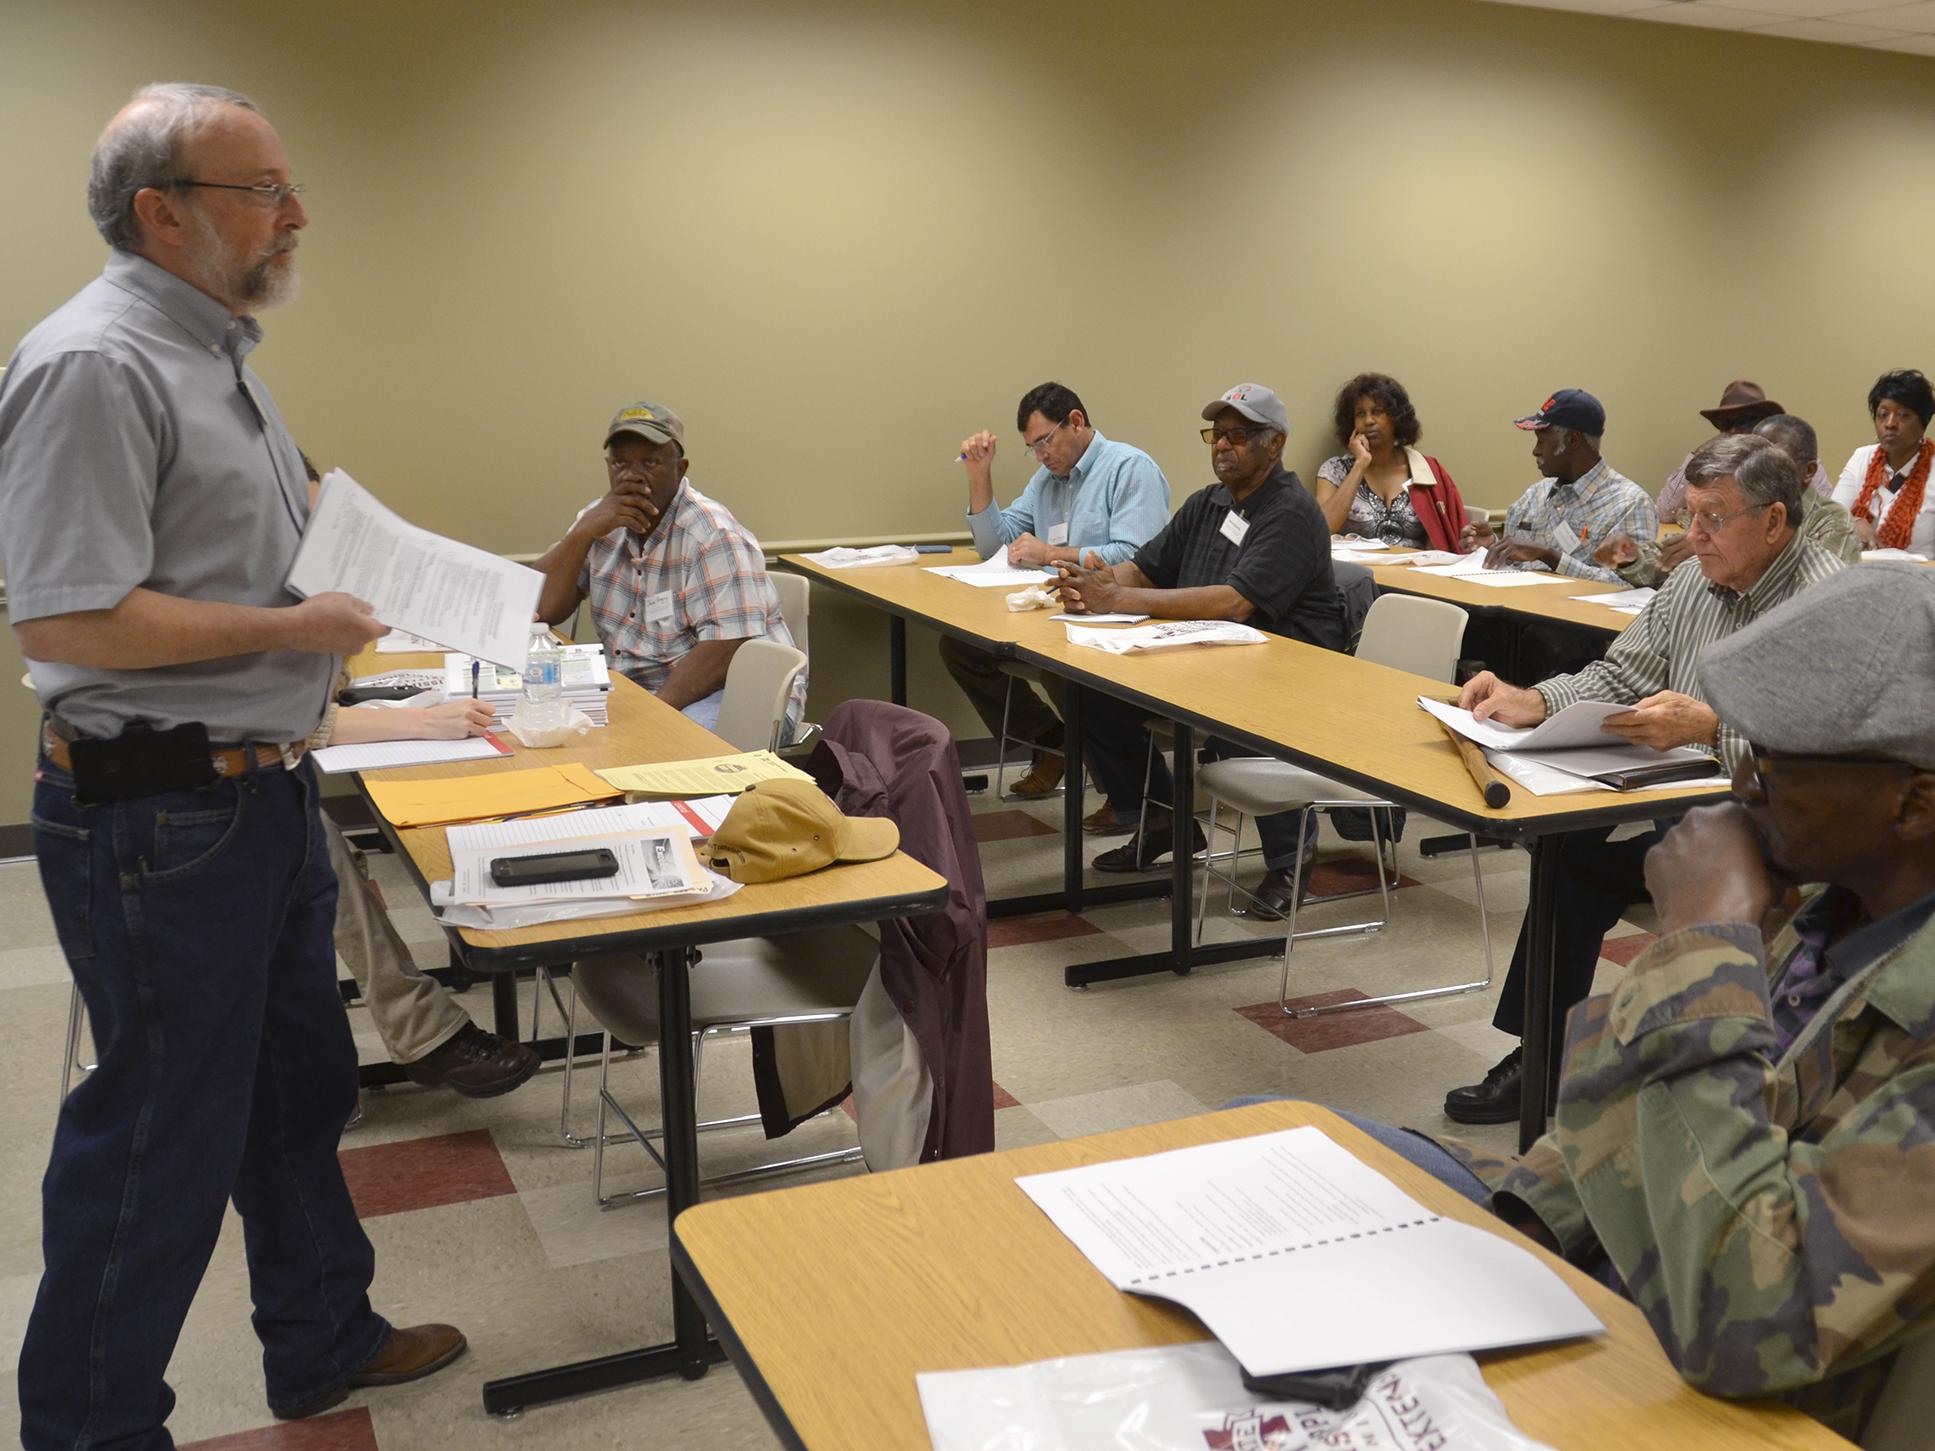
(1763, 763)
(1711, 523)
(656, 464)
(1041, 443)
(1235, 437)
(275, 193)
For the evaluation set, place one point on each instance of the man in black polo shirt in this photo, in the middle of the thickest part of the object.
(1251, 547)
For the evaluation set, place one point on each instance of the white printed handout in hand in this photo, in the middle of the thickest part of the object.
(1192, 1397)
(994, 572)
(463, 598)
(402, 642)
(1297, 1256)
(871, 557)
(1580, 724)
(1165, 636)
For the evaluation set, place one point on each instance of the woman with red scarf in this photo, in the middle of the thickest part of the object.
(1885, 486)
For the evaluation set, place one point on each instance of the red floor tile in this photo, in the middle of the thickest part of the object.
(1623, 950)
(1347, 874)
(1008, 826)
(341, 1431)
(1336, 1030)
(1049, 927)
(423, 1173)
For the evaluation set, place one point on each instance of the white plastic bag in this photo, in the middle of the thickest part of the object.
(575, 723)
(1192, 1398)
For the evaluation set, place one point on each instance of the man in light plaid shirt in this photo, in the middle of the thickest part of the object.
(676, 584)
(1580, 503)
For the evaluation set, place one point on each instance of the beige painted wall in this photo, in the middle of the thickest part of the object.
(840, 236)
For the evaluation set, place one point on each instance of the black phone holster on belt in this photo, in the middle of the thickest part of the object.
(142, 762)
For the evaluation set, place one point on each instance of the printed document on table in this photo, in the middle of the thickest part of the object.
(376, 755)
(1626, 601)
(463, 598)
(706, 776)
(1471, 568)
(1297, 1255)
(650, 864)
(1169, 635)
(1113, 619)
(994, 572)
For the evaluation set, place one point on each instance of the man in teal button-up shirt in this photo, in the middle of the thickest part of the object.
(1089, 494)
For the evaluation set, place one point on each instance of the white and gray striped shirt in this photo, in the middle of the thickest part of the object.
(1661, 649)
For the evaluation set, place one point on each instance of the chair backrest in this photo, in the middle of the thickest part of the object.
(1410, 633)
(795, 595)
(759, 685)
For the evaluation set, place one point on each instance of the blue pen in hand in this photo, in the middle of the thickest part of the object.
(475, 666)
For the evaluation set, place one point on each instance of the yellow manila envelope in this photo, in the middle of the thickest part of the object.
(710, 776)
(445, 799)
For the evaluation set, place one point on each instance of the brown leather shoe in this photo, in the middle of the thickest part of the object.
(410, 1353)
(1044, 775)
(474, 1063)
(1102, 822)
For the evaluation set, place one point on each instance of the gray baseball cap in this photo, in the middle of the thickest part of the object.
(648, 420)
(1254, 402)
(1846, 668)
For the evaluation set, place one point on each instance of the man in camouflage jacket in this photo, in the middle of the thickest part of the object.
(1745, 1132)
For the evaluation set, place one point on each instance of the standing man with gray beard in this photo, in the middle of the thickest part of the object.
(151, 502)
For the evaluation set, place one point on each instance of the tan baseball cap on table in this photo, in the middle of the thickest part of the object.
(781, 829)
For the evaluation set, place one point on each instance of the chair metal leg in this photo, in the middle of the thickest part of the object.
(1417, 994)
(71, 1048)
(570, 1016)
(1001, 743)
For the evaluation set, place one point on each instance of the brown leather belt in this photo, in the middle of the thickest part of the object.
(229, 760)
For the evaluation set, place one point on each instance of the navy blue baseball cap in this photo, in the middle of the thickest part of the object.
(1568, 408)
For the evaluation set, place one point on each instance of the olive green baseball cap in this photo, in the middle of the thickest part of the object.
(649, 421)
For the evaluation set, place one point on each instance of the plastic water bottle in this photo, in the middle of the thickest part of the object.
(542, 708)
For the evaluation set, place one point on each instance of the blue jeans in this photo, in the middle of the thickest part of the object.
(1115, 744)
(705, 710)
(198, 926)
(1408, 1144)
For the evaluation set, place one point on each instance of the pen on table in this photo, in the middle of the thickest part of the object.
(475, 666)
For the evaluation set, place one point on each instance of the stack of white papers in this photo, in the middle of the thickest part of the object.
(1298, 1256)
(994, 572)
(1168, 635)
(1471, 569)
(870, 558)
(1868, 555)
(1425, 558)
(376, 755)
(1572, 751)
(651, 840)
(582, 674)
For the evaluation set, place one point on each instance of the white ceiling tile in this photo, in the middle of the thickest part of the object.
(1713, 17)
(1835, 32)
(1918, 17)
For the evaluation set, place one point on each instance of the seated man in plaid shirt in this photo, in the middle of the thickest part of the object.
(676, 583)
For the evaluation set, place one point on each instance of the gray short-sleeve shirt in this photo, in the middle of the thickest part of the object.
(138, 450)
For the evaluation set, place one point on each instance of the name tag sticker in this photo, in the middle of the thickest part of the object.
(1568, 542)
(1057, 535)
(658, 607)
(1235, 526)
